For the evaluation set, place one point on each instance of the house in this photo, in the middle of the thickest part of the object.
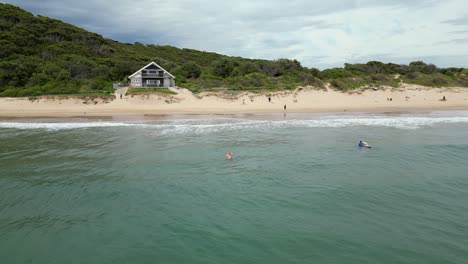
(152, 76)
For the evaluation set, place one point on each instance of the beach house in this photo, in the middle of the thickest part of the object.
(152, 76)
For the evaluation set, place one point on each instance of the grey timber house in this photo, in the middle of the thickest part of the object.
(152, 76)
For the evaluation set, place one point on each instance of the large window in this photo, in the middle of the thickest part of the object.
(152, 82)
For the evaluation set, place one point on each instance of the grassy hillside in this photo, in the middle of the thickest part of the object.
(40, 55)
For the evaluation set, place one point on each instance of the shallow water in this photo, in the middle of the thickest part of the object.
(297, 191)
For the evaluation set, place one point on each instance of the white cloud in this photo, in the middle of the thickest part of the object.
(319, 34)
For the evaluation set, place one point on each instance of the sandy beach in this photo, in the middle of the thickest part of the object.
(407, 97)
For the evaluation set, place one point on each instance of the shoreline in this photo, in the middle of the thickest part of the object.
(160, 115)
(409, 99)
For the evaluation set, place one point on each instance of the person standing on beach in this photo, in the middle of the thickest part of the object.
(284, 107)
(269, 99)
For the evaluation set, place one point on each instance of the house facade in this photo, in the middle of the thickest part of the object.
(152, 76)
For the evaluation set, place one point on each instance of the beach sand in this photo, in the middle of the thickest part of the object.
(405, 98)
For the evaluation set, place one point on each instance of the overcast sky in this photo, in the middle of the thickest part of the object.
(318, 33)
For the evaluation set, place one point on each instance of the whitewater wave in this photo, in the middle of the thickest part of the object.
(214, 125)
(63, 125)
(396, 122)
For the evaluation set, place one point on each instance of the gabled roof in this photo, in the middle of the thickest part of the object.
(151, 63)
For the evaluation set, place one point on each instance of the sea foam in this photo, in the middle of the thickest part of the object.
(220, 124)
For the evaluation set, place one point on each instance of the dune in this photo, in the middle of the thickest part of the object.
(305, 99)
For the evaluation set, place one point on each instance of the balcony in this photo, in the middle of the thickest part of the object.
(152, 75)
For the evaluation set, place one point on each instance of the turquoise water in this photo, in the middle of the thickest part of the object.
(297, 191)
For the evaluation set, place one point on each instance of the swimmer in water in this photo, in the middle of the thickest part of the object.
(363, 144)
(229, 155)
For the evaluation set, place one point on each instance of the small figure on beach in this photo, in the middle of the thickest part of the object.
(284, 107)
(120, 96)
(229, 156)
(443, 98)
(269, 99)
(407, 97)
(243, 101)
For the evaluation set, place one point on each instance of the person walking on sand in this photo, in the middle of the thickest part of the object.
(269, 99)
(284, 107)
(120, 96)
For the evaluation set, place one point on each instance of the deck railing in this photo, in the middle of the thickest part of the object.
(161, 74)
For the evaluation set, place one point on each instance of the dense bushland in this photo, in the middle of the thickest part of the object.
(40, 55)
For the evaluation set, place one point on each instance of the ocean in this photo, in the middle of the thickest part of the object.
(298, 190)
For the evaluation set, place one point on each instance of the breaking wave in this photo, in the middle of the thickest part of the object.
(220, 124)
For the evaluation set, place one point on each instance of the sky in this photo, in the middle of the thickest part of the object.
(318, 33)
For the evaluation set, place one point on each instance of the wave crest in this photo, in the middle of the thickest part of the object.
(213, 125)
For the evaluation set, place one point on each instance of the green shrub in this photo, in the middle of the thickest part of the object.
(337, 85)
(135, 91)
(379, 78)
(438, 81)
(223, 67)
(334, 73)
(191, 70)
(412, 75)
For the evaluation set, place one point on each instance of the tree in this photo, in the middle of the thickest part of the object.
(420, 66)
(223, 67)
(7, 49)
(314, 71)
(289, 66)
(191, 70)
(63, 75)
(248, 67)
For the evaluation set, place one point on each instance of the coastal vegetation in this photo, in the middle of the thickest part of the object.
(135, 91)
(41, 56)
